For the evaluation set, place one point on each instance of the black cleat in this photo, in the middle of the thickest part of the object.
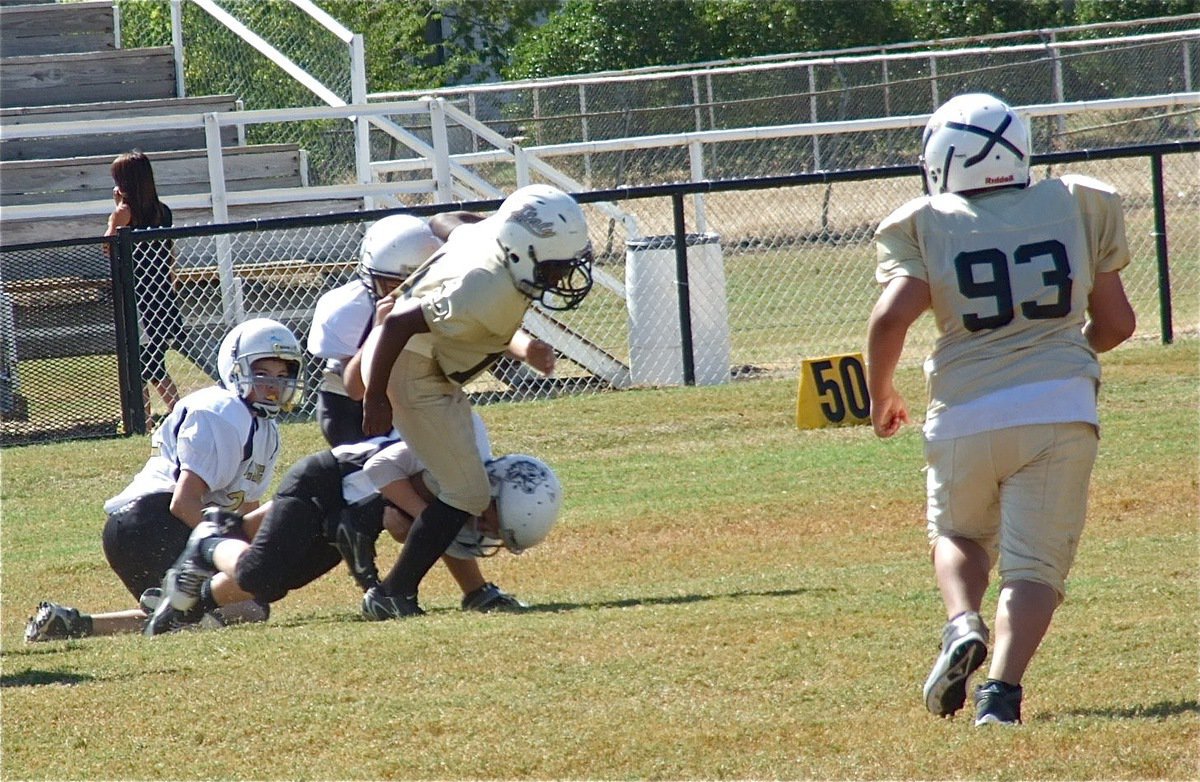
(357, 547)
(377, 606)
(998, 703)
(490, 597)
(54, 622)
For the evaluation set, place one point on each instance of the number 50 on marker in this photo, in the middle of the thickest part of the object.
(833, 392)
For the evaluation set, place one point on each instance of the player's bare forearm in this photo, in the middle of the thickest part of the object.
(444, 223)
(405, 320)
(187, 499)
(902, 302)
(404, 496)
(1111, 319)
(535, 352)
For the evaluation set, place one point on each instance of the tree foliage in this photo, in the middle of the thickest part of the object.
(420, 44)
(406, 47)
(585, 36)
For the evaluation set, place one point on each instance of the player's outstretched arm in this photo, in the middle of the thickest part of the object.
(902, 302)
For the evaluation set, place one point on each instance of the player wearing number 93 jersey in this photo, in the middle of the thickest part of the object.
(1023, 281)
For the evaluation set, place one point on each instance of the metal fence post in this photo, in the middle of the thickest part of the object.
(1160, 250)
(125, 318)
(684, 292)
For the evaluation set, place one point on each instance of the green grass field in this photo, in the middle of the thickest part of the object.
(726, 597)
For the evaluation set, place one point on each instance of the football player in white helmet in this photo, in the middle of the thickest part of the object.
(544, 236)
(449, 322)
(216, 449)
(526, 500)
(329, 508)
(392, 248)
(1024, 283)
(974, 142)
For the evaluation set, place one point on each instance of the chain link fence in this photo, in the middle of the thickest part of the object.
(1030, 68)
(218, 62)
(1127, 59)
(783, 271)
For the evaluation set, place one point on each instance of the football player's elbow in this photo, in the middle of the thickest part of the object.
(1106, 333)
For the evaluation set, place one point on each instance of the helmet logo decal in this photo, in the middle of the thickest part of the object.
(527, 217)
(525, 475)
(993, 137)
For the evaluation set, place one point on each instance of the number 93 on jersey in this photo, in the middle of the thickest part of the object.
(833, 392)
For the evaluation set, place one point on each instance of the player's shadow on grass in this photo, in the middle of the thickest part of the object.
(1157, 711)
(634, 602)
(36, 678)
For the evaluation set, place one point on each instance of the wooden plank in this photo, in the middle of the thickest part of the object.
(255, 167)
(123, 74)
(78, 112)
(113, 143)
(296, 271)
(57, 28)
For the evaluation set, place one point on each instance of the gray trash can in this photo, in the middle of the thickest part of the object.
(655, 344)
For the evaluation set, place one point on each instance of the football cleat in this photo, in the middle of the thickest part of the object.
(964, 647)
(377, 606)
(150, 600)
(54, 622)
(998, 703)
(181, 586)
(490, 597)
(167, 619)
(227, 522)
(357, 547)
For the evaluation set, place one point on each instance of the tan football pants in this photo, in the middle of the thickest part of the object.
(1019, 492)
(433, 415)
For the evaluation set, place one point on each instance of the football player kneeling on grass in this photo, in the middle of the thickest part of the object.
(329, 507)
(216, 449)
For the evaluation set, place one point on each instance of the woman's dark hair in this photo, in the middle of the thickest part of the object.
(132, 173)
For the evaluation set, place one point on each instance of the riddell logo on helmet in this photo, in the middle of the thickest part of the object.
(998, 180)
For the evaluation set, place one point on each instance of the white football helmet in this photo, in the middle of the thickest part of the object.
(392, 249)
(255, 339)
(974, 141)
(544, 236)
(528, 498)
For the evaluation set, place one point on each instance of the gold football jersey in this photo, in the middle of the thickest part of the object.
(470, 302)
(1009, 274)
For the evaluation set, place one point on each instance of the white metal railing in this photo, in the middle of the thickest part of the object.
(357, 59)
(453, 171)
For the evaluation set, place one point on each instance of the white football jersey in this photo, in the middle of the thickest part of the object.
(1009, 274)
(470, 303)
(215, 435)
(341, 320)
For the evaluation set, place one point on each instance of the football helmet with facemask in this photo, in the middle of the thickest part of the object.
(256, 339)
(544, 235)
(973, 142)
(528, 498)
(392, 249)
